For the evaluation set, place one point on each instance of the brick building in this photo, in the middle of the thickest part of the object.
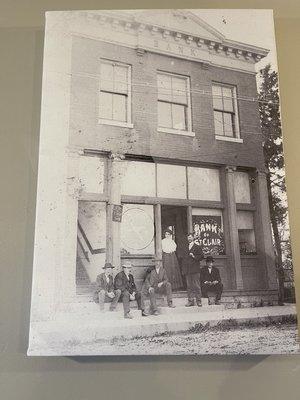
(155, 112)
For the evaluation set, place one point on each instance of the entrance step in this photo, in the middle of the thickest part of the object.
(190, 310)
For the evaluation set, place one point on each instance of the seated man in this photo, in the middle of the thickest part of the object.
(105, 291)
(156, 282)
(124, 282)
(211, 280)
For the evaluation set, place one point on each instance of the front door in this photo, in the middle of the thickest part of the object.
(174, 218)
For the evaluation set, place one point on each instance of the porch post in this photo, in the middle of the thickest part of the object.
(113, 227)
(233, 229)
(264, 230)
(158, 233)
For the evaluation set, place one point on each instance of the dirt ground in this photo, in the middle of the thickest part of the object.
(273, 339)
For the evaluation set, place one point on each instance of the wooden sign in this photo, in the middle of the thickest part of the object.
(117, 213)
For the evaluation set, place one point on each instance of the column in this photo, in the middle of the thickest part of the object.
(158, 233)
(233, 230)
(113, 224)
(264, 230)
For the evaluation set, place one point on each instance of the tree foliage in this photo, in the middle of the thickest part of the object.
(274, 162)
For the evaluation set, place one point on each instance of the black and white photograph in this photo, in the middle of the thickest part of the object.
(162, 222)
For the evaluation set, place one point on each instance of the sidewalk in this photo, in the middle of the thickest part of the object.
(66, 335)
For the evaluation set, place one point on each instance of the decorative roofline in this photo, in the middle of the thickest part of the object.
(219, 45)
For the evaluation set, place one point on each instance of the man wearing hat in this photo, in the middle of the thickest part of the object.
(105, 291)
(156, 282)
(124, 281)
(211, 280)
(191, 270)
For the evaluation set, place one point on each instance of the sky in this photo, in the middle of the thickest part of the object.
(254, 27)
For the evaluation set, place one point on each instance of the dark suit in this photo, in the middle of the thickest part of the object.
(151, 282)
(127, 287)
(191, 270)
(210, 277)
(104, 286)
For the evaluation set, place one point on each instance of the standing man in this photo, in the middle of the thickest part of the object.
(124, 282)
(211, 280)
(105, 291)
(157, 282)
(191, 270)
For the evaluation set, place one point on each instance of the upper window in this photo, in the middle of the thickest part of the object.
(115, 93)
(225, 111)
(174, 111)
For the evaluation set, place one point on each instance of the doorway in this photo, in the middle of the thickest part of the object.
(174, 218)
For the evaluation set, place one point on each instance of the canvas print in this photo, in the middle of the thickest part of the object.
(162, 221)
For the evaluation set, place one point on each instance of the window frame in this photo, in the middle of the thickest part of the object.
(234, 114)
(128, 123)
(187, 108)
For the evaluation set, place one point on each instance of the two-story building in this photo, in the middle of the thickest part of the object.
(154, 124)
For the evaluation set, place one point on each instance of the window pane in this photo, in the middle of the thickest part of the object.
(119, 107)
(218, 118)
(138, 178)
(228, 124)
(106, 77)
(242, 187)
(91, 174)
(217, 97)
(208, 230)
(179, 90)
(120, 79)
(171, 181)
(106, 106)
(204, 184)
(164, 114)
(91, 240)
(246, 232)
(137, 229)
(227, 99)
(164, 87)
(178, 116)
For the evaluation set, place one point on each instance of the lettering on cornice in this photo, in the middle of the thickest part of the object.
(175, 48)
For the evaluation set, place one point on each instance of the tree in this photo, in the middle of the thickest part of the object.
(274, 163)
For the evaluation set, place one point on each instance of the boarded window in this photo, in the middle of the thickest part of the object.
(91, 174)
(171, 181)
(242, 187)
(204, 184)
(138, 178)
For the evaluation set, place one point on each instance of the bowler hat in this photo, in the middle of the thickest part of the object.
(108, 265)
(209, 259)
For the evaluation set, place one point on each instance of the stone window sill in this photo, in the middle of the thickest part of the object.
(176, 132)
(114, 123)
(229, 139)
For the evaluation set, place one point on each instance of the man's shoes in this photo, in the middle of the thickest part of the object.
(155, 313)
(171, 305)
(144, 314)
(190, 304)
(128, 316)
(199, 304)
(217, 303)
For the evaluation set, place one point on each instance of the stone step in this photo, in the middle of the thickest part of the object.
(190, 310)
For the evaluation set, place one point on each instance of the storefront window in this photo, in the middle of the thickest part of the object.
(204, 184)
(171, 181)
(138, 178)
(91, 174)
(208, 230)
(91, 240)
(137, 230)
(246, 232)
(242, 187)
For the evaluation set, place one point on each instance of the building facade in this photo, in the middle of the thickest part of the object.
(155, 124)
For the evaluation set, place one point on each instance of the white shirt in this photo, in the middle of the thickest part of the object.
(191, 245)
